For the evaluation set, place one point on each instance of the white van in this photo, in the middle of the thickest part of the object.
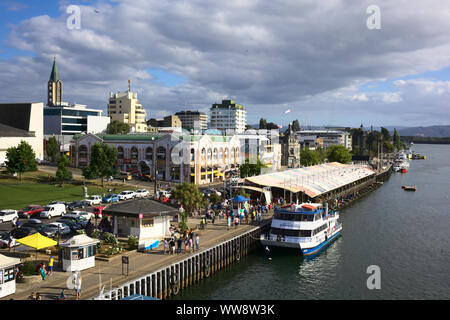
(53, 210)
(8, 215)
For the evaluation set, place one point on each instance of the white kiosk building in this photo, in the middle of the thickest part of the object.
(7, 279)
(79, 253)
(146, 219)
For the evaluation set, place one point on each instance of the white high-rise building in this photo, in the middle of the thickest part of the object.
(228, 116)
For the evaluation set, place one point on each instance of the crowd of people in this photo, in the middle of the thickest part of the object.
(180, 242)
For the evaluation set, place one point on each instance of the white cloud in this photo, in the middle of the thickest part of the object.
(262, 54)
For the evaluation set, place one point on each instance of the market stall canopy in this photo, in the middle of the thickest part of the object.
(37, 241)
(314, 180)
(240, 199)
(6, 262)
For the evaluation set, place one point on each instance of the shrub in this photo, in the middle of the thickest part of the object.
(29, 268)
(95, 234)
(109, 238)
(133, 242)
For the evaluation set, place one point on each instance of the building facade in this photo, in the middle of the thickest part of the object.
(228, 116)
(125, 107)
(63, 118)
(170, 157)
(290, 149)
(193, 120)
(325, 138)
(21, 121)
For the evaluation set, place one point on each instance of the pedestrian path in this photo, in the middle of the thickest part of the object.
(108, 274)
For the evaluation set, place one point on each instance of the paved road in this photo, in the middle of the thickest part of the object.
(110, 273)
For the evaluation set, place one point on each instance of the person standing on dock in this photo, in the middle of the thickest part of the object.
(197, 242)
(228, 222)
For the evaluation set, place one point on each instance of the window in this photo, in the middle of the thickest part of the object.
(74, 254)
(149, 153)
(147, 223)
(291, 233)
(120, 153)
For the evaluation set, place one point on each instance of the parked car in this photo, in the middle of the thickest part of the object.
(59, 202)
(123, 175)
(75, 204)
(51, 230)
(110, 198)
(142, 193)
(8, 215)
(162, 193)
(76, 214)
(126, 195)
(73, 223)
(32, 223)
(4, 240)
(30, 211)
(53, 210)
(23, 232)
(93, 200)
(98, 212)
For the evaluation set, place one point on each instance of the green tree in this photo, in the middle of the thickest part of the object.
(339, 153)
(52, 149)
(386, 134)
(190, 198)
(308, 157)
(251, 169)
(103, 159)
(21, 159)
(262, 123)
(117, 127)
(321, 154)
(296, 125)
(397, 143)
(63, 173)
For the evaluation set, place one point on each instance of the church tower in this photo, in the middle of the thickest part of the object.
(54, 89)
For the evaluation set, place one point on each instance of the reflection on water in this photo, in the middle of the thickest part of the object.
(404, 233)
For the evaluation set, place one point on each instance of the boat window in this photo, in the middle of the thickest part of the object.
(290, 232)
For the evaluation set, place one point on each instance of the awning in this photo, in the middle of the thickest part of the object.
(37, 241)
(6, 262)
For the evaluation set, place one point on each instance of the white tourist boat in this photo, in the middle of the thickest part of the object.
(307, 226)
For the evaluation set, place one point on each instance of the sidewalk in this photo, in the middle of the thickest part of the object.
(109, 273)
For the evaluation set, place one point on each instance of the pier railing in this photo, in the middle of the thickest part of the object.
(177, 276)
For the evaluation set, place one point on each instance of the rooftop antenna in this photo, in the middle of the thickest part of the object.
(129, 85)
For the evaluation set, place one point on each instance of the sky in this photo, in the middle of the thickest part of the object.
(321, 60)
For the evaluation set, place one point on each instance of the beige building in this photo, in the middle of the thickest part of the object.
(125, 108)
(198, 159)
(21, 121)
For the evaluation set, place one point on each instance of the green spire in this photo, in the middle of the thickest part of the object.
(54, 76)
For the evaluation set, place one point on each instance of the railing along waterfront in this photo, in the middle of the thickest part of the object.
(173, 278)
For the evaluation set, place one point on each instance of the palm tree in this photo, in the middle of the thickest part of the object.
(190, 198)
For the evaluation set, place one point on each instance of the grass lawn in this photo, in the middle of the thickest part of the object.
(33, 190)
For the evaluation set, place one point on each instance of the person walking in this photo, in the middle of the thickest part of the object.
(42, 271)
(236, 222)
(78, 282)
(165, 246)
(228, 222)
(197, 242)
(191, 245)
(50, 266)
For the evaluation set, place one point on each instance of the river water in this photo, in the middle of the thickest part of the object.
(405, 234)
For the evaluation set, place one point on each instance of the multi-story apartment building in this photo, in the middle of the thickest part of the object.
(125, 107)
(228, 116)
(193, 120)
(325, 138)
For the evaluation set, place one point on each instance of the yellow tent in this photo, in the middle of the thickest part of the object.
(37, 241)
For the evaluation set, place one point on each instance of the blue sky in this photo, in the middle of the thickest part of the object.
(181, 53)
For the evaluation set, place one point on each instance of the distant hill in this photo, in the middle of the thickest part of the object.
(432, 131)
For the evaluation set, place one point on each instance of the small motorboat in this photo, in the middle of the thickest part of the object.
(409, 188)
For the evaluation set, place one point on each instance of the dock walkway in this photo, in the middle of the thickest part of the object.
(108, 274)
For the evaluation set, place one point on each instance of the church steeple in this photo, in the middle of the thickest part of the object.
(54, 89)
(54, 76)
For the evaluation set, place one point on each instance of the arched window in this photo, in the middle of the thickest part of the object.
(134, 153)
(220, 153)
(232, 156)
(215, 154)
(161, 153)
(149, 153)
(120, 153)
(209, 154)
(225, 156)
